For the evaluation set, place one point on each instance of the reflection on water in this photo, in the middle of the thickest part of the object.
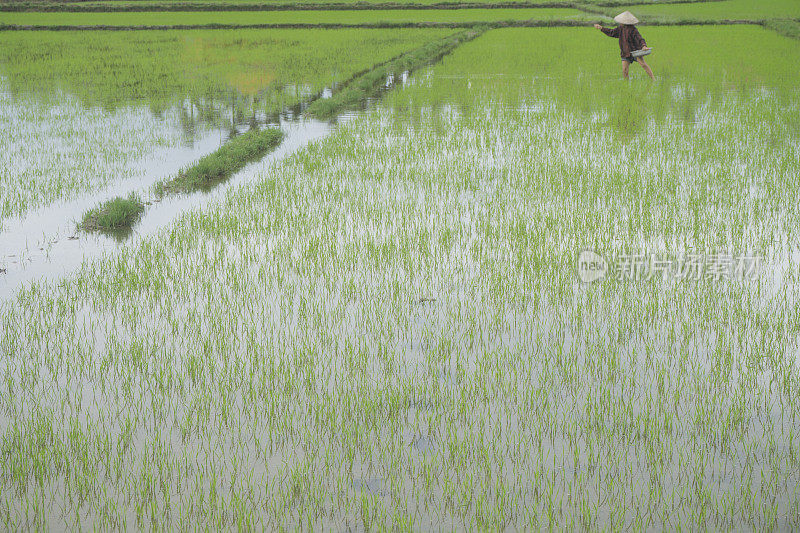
(230, 111)
(627, 111)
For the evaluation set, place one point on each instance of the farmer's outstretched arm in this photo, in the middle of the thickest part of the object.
(611, 32)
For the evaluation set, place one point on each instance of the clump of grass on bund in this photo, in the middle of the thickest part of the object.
(223, 163)
(115, 214)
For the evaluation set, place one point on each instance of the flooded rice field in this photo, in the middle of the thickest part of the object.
(78, 134)
(512, 293)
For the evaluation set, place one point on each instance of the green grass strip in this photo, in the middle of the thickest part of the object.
(222, 164)
(352, 94)
(115, 214)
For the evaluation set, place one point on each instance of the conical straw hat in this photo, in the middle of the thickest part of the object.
(626, 18)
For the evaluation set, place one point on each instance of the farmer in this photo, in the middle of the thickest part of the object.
(630, 40)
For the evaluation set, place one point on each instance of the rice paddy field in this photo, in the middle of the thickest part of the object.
(82, 111)
(395, 326)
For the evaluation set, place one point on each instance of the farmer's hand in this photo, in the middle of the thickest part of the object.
(598, 27)
(645, 47)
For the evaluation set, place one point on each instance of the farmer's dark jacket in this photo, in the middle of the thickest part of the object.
(629, 38)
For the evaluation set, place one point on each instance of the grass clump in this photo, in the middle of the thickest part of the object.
(115, 214)
(223, 163)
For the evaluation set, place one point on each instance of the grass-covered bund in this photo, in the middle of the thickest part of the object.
(222, 164)
(355, 92)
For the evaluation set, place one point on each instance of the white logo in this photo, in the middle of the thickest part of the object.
(591, 266)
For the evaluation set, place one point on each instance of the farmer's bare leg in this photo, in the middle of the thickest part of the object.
(646, 68)
(625, 65)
